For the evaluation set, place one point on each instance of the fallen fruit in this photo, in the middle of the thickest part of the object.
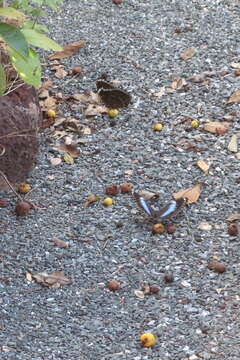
(51, 113)
(195, 124)
(171, 229)
(111, 190)
(157, 127)
(117, 2)
(112, 113)
(22, 208)
(168, 278)
(153, 289)
(113, 285)
(158, 229)
(24, 188)
(3, 203)
(148, 339)
(217, 266)
(233, 229)
(126, 188)
(77, 70)
(107, 201)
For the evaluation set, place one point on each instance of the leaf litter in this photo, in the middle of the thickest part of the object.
(54, 280)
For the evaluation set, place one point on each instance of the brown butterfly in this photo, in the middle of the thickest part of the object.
(168, 210)
(111, 96)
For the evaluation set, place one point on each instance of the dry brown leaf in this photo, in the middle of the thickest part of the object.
(91, 199)
(139, 294)
(235, 65)
(203, 166)
(55, 161)
(128, 172)
(43, 94)
(68, 158)
(93, 110)
(147, 195)
(188, 54)
(60, 243)
(60, 73)
(178, 83)
(70, 149)
(60, 134)
(68, 50)
(216, 127)
(53, 280)
(191, 194)
(160, 93)
(29, 277)
(89, 97)
(233, 144)
(49, 103)
(235, 97)
(233, 217)
(205, 226)
(46, 85)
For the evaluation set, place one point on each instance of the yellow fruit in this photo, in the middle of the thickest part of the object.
(24, 188)
(113, 113)
(195, 124)
(107, 201)
(148, 339)
(51, 113)
(157, 127)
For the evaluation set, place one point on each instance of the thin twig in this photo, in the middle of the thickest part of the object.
(10, 185)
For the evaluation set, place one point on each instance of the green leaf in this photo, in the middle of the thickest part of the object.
(35, 38)
(11, 13)
(14, 38)
(29, 69)
(3, 80)
(37, 27)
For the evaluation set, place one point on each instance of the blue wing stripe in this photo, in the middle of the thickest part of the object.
(145, 206)
(171, 208)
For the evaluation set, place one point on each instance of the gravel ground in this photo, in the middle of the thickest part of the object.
(197, 315)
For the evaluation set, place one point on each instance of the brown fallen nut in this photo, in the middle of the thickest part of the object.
(233, 229)
(216, 266)
(153, 289)
(171, 229)
(126, 188)
(168, 278)
(117, 2)
(113, 285)
(3, 203)
(22, 208)
(77, 70)
(111, 190)
(158, 229)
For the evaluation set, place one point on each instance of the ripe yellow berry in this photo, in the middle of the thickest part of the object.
(157, 127)
(195, 124)
(24, 188)
(107, 201)
(51, 113)
(112, 113)
(148, 339)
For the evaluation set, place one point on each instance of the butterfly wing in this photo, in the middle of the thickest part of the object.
(103, 84)
(142, 203)
(170, 209)
(115, 98)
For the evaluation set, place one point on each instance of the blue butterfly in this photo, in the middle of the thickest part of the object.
(168, 210)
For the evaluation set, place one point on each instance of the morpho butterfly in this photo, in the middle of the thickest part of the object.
(168, 210)
(111, 96)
